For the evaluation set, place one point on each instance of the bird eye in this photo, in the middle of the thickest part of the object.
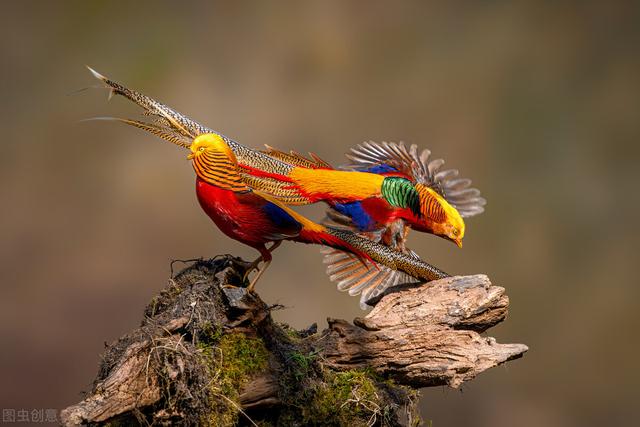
(201, 149)
(455, 232)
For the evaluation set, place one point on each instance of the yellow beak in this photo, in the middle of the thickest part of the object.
(190, 156)
(458, 242)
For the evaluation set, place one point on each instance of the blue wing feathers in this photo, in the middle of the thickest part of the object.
(358, 215)
(280, 218)
(383, 168)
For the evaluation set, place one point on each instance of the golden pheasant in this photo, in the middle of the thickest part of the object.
(256, 219)
(386, 196)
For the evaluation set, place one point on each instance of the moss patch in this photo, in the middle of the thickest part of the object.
(317, 396)
(302, 365)
(349, 398)
(231, 362)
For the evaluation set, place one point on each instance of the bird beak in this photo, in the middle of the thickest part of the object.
(457, 241)
(190, 156)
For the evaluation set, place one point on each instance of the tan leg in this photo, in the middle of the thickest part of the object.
(254, 264)
(275, 245)
(257, 276)
(266, 257)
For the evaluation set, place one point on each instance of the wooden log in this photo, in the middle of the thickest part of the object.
(428, 335)
(418, 336)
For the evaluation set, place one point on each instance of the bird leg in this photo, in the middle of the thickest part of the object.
(257, 276)
(245, 276)
(266, 257)
(252, 266)
(275, 245)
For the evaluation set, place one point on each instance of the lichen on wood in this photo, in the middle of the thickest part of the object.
(209, 353)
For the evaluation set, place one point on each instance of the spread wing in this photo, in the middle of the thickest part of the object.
(356, 276)
(419, 168)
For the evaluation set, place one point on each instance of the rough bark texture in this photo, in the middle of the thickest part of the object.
(209, 352)
(426, 336)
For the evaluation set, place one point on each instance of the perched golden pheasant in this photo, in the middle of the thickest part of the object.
(380, 196)
(255, 219)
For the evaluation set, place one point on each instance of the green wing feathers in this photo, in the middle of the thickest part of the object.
(400, 192)
(420, 168)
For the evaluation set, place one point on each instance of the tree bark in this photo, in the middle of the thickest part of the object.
(418, 336)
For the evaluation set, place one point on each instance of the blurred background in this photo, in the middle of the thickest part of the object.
(536, 101)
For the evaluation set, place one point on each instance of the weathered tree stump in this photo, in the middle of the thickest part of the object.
(208, 352)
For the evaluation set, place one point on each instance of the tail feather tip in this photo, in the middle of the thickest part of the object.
(103, 79)
(96, 74)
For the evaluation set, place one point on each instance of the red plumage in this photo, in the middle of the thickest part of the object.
(384, 214)
(255, 221)
(241, 217)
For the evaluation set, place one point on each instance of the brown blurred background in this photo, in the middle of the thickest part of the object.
(537, 102)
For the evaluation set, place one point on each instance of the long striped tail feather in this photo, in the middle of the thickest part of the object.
(371, 281)
(384, 256)
(169, 118)
(261, 169)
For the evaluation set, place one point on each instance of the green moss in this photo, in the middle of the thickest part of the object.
(209, 333)
(346, 398)
(231, 362)
(311, 394)
(242, 357)
(290, 332)
(358, 397)
(301, 364)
